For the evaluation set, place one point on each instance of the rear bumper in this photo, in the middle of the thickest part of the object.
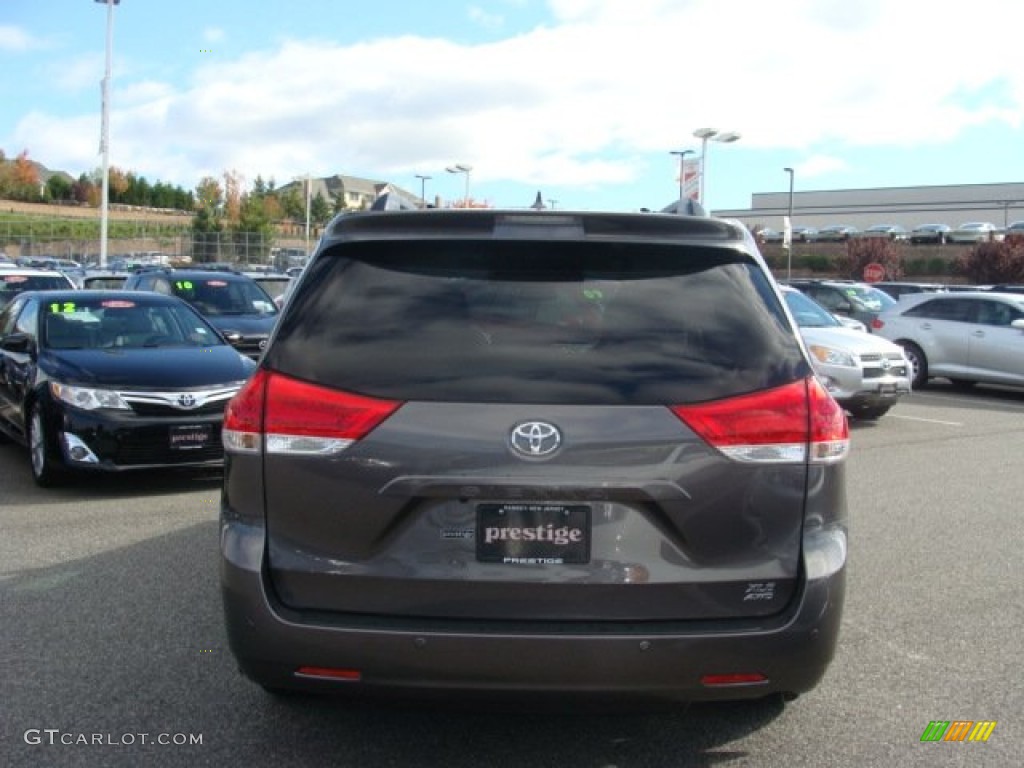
(658, 660)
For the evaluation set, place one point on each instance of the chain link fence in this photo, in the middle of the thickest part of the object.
(51, 240)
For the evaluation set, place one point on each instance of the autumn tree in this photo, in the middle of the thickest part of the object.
(234, 184)
(993, 262)
(208, 222)
(862, 251)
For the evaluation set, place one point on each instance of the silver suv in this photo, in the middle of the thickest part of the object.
(535, 452)
(865, 373)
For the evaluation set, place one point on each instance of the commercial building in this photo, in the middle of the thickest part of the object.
(1000, 204)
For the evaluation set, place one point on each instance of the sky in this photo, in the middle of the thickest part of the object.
(582, 101)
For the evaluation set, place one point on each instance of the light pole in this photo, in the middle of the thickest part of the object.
(682, 174)
(788, 237)
(704, 134)
(105, 132)
(423, 187)
(309, 208)
(462, 168)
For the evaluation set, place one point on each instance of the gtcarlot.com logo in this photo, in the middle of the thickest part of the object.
(958, 730)
(57, 737)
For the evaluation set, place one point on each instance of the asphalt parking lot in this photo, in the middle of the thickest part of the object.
(111, 633)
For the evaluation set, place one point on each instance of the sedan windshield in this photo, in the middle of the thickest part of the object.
(120, 323)
(808, 313)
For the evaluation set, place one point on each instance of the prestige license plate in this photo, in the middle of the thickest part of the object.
(533, 534)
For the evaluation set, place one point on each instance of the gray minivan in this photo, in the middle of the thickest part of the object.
(535, 452)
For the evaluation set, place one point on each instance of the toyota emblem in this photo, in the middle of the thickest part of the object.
(535, 439)
(187, 401)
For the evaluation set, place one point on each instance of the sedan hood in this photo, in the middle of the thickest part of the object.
(160, 368)
(856, 342)
(247, 325)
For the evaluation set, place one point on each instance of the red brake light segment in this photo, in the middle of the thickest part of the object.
(775, 426)
(296, 417)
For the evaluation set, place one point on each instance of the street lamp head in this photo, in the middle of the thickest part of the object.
(705, 133)
(459, 168)
(111, 2)
(726, 138)
(788, 170)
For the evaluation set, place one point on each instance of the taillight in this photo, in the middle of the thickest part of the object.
(790, 424)
(877, 324)
(295, 417)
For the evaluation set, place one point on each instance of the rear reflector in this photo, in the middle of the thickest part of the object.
(737, 678)
(329, 673)
(289, 416)
(794, 423)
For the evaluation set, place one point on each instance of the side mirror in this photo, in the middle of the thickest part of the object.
(17, 342)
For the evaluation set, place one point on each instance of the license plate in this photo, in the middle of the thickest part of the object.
(533, 534)
(887, 389)
(190, 437)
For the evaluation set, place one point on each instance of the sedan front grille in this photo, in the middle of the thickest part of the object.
(180, 403)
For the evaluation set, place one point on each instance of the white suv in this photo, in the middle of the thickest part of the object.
(865, 373)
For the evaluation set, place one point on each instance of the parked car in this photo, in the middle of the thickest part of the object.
(538, 452)
(896, 288)
(974, 232)
(860, 301)
(769, 235)
(104, 280)
(274, 283)
(893, 232)
(930, 233)
(968, 338)
(113, 381)
(1016, 228)
(836, 233)
(804, 234)
(867, 375)
(15, 280)
(233, 303)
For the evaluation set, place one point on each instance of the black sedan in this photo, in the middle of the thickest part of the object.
(113, 380)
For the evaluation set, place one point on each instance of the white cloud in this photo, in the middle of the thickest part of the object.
(819, 165)
(601, 78)
(485, 19)
(213, 35)
(16, 39)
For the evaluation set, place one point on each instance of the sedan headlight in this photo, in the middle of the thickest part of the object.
(87, 398)
(832, 356)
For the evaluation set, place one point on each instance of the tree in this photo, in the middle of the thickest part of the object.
(993, 262)
(207, 224)
(58, 188)
(319, 211)
(862, 251)
(118, 184)
(253, 233)
(233, 190)
(292, 203)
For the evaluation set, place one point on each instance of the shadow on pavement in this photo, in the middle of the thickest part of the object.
(132, 642)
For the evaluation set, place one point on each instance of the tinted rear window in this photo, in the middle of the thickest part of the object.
(537, 322)
(13, 284)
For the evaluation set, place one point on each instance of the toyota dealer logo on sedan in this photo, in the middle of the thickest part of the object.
(535, 439)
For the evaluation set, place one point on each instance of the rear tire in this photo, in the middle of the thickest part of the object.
(918, 364)
(47, 470)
